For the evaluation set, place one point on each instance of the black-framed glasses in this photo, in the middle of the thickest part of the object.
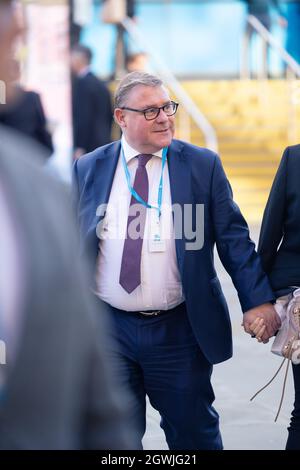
(151, 113)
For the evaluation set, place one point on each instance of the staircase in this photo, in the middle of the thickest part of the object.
(254, 121)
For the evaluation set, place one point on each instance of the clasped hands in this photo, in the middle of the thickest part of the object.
(262, 322)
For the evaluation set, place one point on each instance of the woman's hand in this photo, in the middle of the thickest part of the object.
(258, 328)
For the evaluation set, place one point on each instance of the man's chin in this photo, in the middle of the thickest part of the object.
(165, 140)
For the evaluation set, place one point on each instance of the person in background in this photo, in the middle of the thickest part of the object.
(115, 12)
(137, 62)
(261, 9)
(56, 390)
(292, 37)
(279, 248)
(91, 104)
(25, 113)
(157, 278)
(122, 46)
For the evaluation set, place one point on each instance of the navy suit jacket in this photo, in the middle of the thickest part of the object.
(196, 177)
(279, 240)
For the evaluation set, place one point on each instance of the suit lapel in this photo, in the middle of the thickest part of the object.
(104, 175)
(98, 194)
(180, 185)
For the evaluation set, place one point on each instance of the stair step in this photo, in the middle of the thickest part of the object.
(234, 158)
(250, 184)
(250, 146)
(258, 173)
(252, 120)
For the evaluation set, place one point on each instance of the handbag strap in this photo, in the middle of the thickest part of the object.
(284, 382)
(283, 387)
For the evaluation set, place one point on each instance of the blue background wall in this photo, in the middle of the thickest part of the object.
(194, 40)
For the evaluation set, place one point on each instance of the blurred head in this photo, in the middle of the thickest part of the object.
(9, 32)
(81, 57)
(136, 62)
(141, 91)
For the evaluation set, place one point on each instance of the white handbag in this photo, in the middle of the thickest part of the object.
(287, 340)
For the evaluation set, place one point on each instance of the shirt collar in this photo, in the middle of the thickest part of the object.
(130, 152)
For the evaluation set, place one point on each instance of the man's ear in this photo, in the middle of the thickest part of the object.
(119, 117)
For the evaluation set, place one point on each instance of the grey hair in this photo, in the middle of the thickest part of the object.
(132, 80)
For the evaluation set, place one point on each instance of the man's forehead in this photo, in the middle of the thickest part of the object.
(143, 95)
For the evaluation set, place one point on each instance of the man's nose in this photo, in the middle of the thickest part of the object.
(162, 117)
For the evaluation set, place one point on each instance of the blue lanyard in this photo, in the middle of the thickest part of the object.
(160, 187)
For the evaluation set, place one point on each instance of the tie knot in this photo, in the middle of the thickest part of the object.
(143, 159)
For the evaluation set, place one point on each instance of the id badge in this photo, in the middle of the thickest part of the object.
(156, 244)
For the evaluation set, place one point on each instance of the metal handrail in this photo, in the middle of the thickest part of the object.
(292, 71)
(270, 39)
(201, 121)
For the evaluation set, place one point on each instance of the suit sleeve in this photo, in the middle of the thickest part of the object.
(272, 224)
(235, 248)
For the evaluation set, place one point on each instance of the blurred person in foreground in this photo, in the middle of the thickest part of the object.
(56, 391)
(156, 273)
(25, 112)
(91, 104)
(279, 248)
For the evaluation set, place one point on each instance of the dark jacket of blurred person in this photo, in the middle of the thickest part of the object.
(91, 105)
(25, 112)
(57, 390)
(27, 116)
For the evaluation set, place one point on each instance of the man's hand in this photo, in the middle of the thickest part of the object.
(257, 329)
(271, 320)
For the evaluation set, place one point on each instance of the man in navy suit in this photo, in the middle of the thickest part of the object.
(150, 210)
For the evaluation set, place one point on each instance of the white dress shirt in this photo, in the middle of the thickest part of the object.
(161, 287)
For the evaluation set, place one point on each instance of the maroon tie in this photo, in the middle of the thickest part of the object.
(130, 273)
